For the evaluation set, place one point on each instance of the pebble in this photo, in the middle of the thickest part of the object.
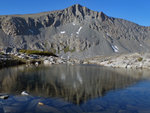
(40, 103)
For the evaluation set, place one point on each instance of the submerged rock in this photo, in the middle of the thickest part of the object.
(40, 103)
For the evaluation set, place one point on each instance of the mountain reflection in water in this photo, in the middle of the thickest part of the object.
(75, 84)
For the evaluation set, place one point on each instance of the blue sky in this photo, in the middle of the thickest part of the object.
(137, 11)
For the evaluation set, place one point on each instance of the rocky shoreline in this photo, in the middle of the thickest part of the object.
(6, 61)
(129, 61)
(11, 59)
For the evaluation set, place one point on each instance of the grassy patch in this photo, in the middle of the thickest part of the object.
(73, 50)
(53, 50)
(140, 59)
(36, 52)
(68, 50)
(1, 53)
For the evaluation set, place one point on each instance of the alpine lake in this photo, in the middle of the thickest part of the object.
(74, 89)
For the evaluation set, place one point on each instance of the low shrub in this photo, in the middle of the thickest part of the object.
(36, 52)
(140, 59)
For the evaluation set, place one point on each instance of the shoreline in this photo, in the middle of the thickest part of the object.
(128, 61)
(14, 59)
(7, 61)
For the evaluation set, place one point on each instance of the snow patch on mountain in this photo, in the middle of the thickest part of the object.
(63, 32)
(79, 30)
(115, 48)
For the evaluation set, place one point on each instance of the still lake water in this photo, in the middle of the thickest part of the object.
(74, 89)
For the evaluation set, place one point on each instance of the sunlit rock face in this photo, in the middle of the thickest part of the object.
(75, 31)
(73, 83)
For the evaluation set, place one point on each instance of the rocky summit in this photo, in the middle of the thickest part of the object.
(76, 32)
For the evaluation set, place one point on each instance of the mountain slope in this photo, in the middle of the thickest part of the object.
(75, 31)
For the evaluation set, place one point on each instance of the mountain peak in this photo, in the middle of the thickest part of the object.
(77, 5)
(79, 10)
